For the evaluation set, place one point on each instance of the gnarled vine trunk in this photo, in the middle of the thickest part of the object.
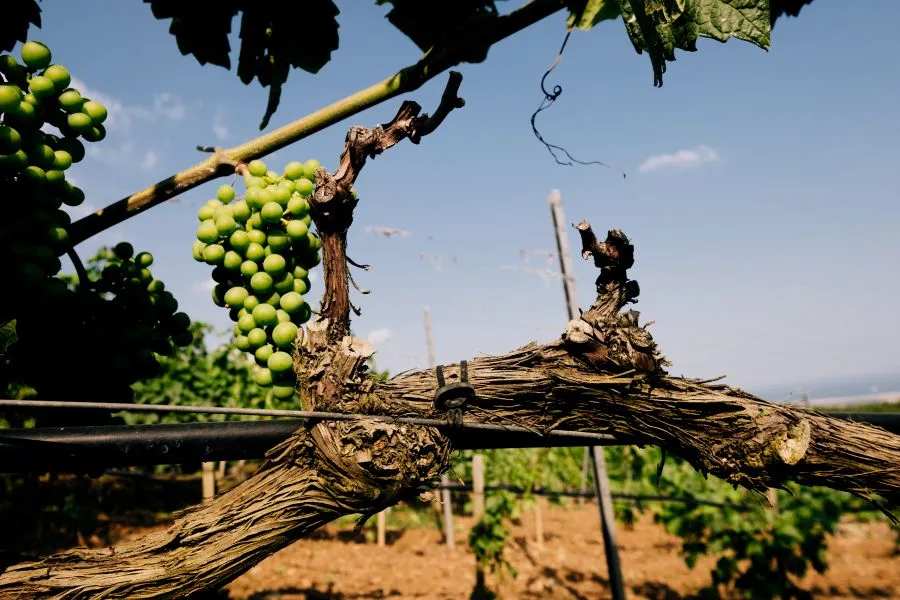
(605, 374)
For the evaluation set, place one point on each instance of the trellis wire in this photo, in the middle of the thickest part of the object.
(301, 414)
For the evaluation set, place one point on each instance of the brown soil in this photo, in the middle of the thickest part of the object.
(570, 564)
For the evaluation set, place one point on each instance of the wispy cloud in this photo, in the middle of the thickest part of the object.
(119, 115)
(203, 286)
(688, 158)
(150, 160)
(545, 274)
(169, 105)
(388, 232)
(82, 210)
(379, 336)
(220, 129)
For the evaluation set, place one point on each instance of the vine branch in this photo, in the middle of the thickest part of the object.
(333, 200)
(433, 63)
(604, 374)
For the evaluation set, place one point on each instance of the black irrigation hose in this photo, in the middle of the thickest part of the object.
(302, 414)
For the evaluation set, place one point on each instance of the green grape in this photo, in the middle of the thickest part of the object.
(246, 324)
(94, 134)
(257, 237)
(207, 232)
(280, 361)
(257, 168)
(95, 111)
(232, 260)
(249, 268)
(241, 343)
(284, 334)
(292, 302)
(274, 265)
(281, 195)
(206, 213)
(10, 140)
(271, 212)
(35, 55)
(261, 283)
(225, 225)
(235, 297)
(283, 317)
(255, 252)
(251, 302)
(197, 250)
(301, 285)
(293, 170)
(79, 122)
(284, 284)
(304, 187)
(41, 87)
(71, 101)
(10, 97)
(59, 75)
(309, 169)
(263, 377)
(283, 392)
(297, 207)
(240, 211)
(225, 194)
(265, 315)
(62, 160)
(257, 337)
(239, 241)
(263, 353)
(214, 254)
(296, 230)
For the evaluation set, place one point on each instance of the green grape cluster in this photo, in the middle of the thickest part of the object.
(113, 325)
(261, 248)
(33, 232)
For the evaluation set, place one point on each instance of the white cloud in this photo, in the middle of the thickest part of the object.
(169, 105)
(313, 276)
(683, 159)
(204, 286)
(379, 336)
(119, 115)
(150, 160)
(388, 232)
(82, 210)
(220, 129)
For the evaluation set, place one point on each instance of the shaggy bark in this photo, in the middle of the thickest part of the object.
(605, 374)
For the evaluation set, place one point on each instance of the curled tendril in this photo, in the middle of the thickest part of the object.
(549, 98)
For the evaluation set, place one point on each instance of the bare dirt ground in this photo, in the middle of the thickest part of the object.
(570, 564)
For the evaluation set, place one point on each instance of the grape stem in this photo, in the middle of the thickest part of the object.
(84, 282)
(432, 63)
(333, 199)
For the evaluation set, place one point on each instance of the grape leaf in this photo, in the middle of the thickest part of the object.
(200, 28)
(790, 8)
(658, 27)
(8, 336)
(584, 14)
(439, 23)
(18, 16)
(270, 44)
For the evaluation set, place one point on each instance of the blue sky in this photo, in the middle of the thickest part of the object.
(762, 189)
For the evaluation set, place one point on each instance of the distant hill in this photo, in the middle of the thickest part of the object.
(859, 389)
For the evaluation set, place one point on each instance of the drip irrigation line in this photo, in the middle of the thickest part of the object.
(302, 414)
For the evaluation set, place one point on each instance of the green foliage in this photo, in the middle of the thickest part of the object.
(488, 538)
(199, 376)
(435, 25)
(270, 44)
